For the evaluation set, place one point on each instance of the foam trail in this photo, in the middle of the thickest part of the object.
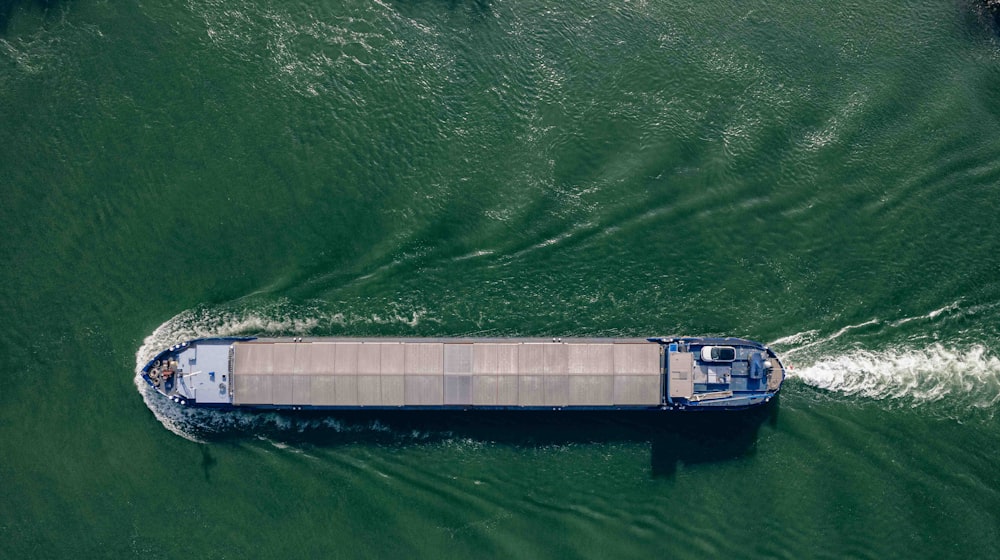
(932, 315)
(966, 377)
(797, 338)
(825, 339)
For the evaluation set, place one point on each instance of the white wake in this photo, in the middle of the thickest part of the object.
(966, 377)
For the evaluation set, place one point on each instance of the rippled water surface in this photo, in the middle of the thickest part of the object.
(822, 177)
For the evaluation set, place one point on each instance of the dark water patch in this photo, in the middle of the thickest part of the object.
(208, 461)
(473, 8)
(10, 9)
(674, 439)
(988, 12)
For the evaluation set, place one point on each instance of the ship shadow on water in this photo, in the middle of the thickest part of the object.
(675, 438)
(710, 438)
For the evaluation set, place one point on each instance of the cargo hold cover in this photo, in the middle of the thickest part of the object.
(463, 372)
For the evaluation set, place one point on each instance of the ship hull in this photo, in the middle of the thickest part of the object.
(455, 374)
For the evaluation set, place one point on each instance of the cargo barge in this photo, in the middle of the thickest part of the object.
(467, 373)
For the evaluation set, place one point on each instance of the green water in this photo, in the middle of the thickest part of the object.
(820, 176)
